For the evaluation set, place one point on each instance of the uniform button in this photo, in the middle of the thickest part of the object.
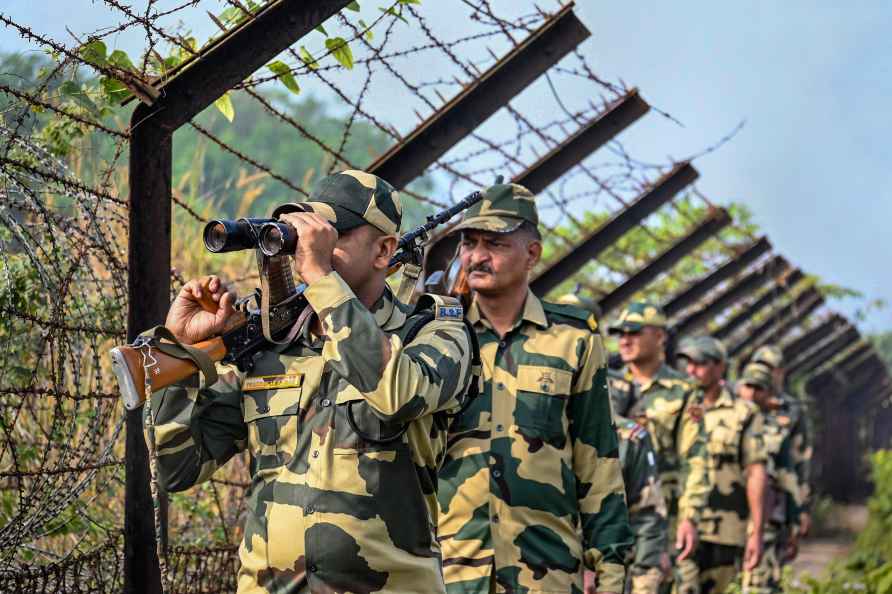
(500, 427)
(495, 519)
(312, 568)
(262, 409)
(503, 344)
(315, 453)
(544, 387)
(496, 473)
(310, 509)
(326, 402)
(500, 386)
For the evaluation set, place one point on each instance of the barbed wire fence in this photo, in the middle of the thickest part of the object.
(64, 233)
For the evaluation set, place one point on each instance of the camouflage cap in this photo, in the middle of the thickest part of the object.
(637, 315)
(352, 198)
(757, 374)
(769, 355)
(700, 349)
(503, 209)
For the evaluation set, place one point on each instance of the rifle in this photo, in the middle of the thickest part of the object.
(273, 314)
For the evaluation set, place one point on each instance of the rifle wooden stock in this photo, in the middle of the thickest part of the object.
(127, 362)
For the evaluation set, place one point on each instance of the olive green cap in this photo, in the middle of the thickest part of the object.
(637, 315)
(757, 374)
(352, 198)
(769, 355)
(503, 209)
(700, 349)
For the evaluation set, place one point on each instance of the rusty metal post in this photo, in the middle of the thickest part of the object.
(699, 289)
(681, 176)
(824, 352)
(814, 336)
(618, 116)
(408, 159)
(715, 221)
(148, 285)
(767, 298)
(732, 295)
(226, 63)
(787, 316)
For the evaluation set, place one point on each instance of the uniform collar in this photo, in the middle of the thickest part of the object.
(532, 312)
(725, 399)
(388, 312)
(663, 377)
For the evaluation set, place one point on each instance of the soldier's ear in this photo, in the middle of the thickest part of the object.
(383, 248)
(534, 253)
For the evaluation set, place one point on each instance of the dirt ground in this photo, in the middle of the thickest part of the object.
(817, 552)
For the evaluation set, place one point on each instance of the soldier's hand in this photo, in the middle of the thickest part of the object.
(685, 539)
(753, 552)
(804, 524)
(316, 240)
(200, 310)
(792, 548)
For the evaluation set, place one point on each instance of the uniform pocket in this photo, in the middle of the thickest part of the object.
(272, 419)
(542, 394)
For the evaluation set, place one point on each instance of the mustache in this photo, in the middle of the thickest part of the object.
(479, 268)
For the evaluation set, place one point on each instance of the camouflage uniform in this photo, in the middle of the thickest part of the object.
(647, 507)
(672, 410)
(734, 441)
(531, 489)
(783, 490)
(792, 412)
(330, 510)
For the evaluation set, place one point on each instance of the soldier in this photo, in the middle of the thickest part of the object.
(737, 474)
(531, 490)
(756, 385)
(647, 507)
(791, 411)
(340, 423)
(649, 561)
(665, 402)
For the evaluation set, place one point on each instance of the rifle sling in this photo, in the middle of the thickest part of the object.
(175, 348)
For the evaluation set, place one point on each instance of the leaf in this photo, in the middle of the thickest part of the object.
(69, 88)
(94, 52)
(409, 1)
(283, 72)
(115, 91)
(354, 6)
(368, 32)
(224, 104)
(308, 58)
(120, 59)
(393, 12)
(341, 51)
(321, 29)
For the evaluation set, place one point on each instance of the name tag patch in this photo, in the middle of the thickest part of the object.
(450, 312)
(273, 382)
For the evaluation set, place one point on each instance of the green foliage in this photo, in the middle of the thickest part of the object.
(869, 568)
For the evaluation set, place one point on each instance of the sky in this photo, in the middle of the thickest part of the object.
(812, 80)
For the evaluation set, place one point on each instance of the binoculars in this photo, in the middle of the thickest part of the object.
(270, 236)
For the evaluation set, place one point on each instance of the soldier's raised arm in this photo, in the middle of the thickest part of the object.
(399, 381)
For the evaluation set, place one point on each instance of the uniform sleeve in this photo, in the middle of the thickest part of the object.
(197, 430)
(399, 382)
(647, 508)
(693, 470)
(788, 480)
(753, 450)
(606, 533)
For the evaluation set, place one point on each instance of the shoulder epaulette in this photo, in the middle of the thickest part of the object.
(573, 312)
(443, 307)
